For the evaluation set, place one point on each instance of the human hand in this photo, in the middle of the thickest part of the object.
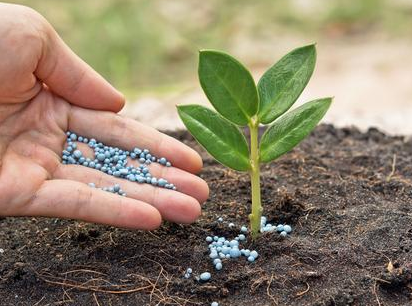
(45, 90)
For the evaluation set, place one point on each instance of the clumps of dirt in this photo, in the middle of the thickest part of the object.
(397, 277)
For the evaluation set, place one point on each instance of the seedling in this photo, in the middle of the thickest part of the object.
(239, 103)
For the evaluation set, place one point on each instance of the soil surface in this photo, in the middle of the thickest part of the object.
(347, 194)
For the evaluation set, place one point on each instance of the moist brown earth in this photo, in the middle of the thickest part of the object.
(347, 194)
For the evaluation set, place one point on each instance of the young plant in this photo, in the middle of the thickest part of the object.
(231, 89)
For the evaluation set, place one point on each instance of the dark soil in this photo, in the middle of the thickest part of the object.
(351, 245)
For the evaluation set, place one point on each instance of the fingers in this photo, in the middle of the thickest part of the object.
(74, 200)
(70, 77)
(20, 47)
(184, 181)
(114, 130)
(173, 206)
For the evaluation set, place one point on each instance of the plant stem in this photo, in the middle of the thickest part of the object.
(255, 178)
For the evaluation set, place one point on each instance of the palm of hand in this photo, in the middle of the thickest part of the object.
(34, 182)
(31, 136)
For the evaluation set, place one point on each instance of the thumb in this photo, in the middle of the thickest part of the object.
(70, 77)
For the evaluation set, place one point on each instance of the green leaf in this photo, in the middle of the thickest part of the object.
(221, 138)
(229, 86)
(283, 83)
(292, 128)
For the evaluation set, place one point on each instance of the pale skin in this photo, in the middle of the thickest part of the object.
(45, 90)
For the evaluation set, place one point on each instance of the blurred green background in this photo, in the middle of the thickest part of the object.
(151, 45)
(148, 49)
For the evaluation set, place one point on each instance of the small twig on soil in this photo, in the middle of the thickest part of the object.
(268, 290)
(159, 296)
(63, 282)
(95, 299)
(259, 280)
(37, 303)
(376, 294)
(388, 178)
(170, 256)
(309, 210)
(90, 288)
(161, 293)
(380, 280)
(158, 289)
(65, 294)
(316, 230)
(152, 234)
(61, 235)
(111, 239)
(156, 282)
(109, 284)
(21, 248)
(82, 270)
(305, 291)
(380, 252)
(292, 244)
(130, 258)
